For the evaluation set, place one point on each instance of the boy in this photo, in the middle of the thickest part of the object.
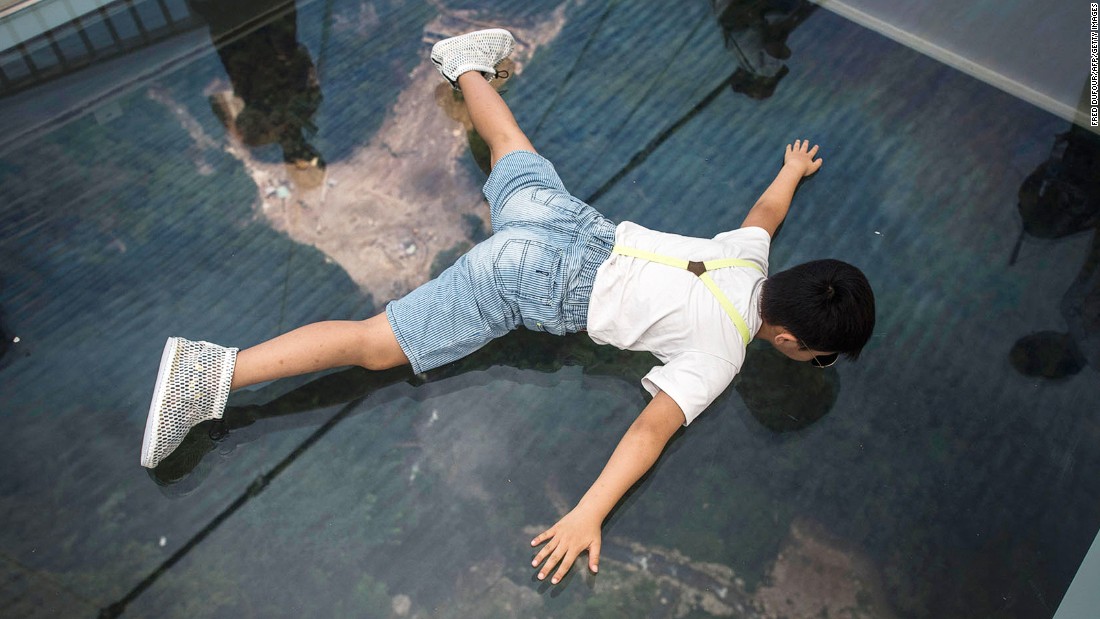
(555, 264)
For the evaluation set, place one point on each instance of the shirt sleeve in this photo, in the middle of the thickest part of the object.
(752, 243)
(693, 380)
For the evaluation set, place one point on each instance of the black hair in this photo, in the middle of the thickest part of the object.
(827, 304)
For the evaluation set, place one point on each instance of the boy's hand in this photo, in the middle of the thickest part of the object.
(800, 157)
(565, 541)
(579, 530)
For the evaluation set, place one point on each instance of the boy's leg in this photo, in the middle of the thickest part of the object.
(195, 378)
(371, 343)
(467, 61)
(319, 346)
(492, 119)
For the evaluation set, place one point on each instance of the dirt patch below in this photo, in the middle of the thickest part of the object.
(817, 575)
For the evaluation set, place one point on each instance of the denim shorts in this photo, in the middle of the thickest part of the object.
(535, 271)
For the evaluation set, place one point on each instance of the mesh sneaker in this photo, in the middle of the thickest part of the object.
(474, 51)
(192, 386)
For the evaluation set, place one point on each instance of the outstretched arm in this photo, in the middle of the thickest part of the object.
(579, 530)
(771, 209)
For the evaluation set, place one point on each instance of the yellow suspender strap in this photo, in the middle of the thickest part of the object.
(707, 280)
(724, 301)
(650, 256)
(683, 264)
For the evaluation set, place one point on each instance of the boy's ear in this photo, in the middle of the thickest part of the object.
(785, 337)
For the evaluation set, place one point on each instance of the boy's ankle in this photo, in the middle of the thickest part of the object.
(469, 75)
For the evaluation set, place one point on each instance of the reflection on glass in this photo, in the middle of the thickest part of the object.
(756, 31)
(785, 395)
(1060, 198)
(275, 87)
(522, 349)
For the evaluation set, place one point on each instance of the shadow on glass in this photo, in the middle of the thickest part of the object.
(781, 394)
(1059, 199)
(756, 32)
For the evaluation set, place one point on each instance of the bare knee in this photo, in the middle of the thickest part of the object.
(502, 147)
(378, 346)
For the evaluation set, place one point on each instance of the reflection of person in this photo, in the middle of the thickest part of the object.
(1060, 198)
(809, 395)
(555, 264)
(272, 74)
(757, 31)
(1050, 354)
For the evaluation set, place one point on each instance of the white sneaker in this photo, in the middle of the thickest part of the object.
(192, 386)
(474, 51)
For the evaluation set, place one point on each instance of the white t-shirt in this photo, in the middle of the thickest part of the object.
(641, 305)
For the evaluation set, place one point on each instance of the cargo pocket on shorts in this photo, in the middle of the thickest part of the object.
(529, 273)
(558, 199)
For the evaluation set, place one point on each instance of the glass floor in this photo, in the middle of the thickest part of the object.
(313, 165)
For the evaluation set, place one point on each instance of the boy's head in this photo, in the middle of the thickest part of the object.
(824, 306)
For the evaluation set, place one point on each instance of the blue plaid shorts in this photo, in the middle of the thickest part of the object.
(536, 270)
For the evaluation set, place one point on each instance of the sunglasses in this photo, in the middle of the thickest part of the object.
(820, 361)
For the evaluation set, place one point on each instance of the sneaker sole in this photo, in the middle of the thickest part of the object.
(152, 422)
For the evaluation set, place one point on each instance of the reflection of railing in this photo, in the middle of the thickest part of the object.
(47, 40)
